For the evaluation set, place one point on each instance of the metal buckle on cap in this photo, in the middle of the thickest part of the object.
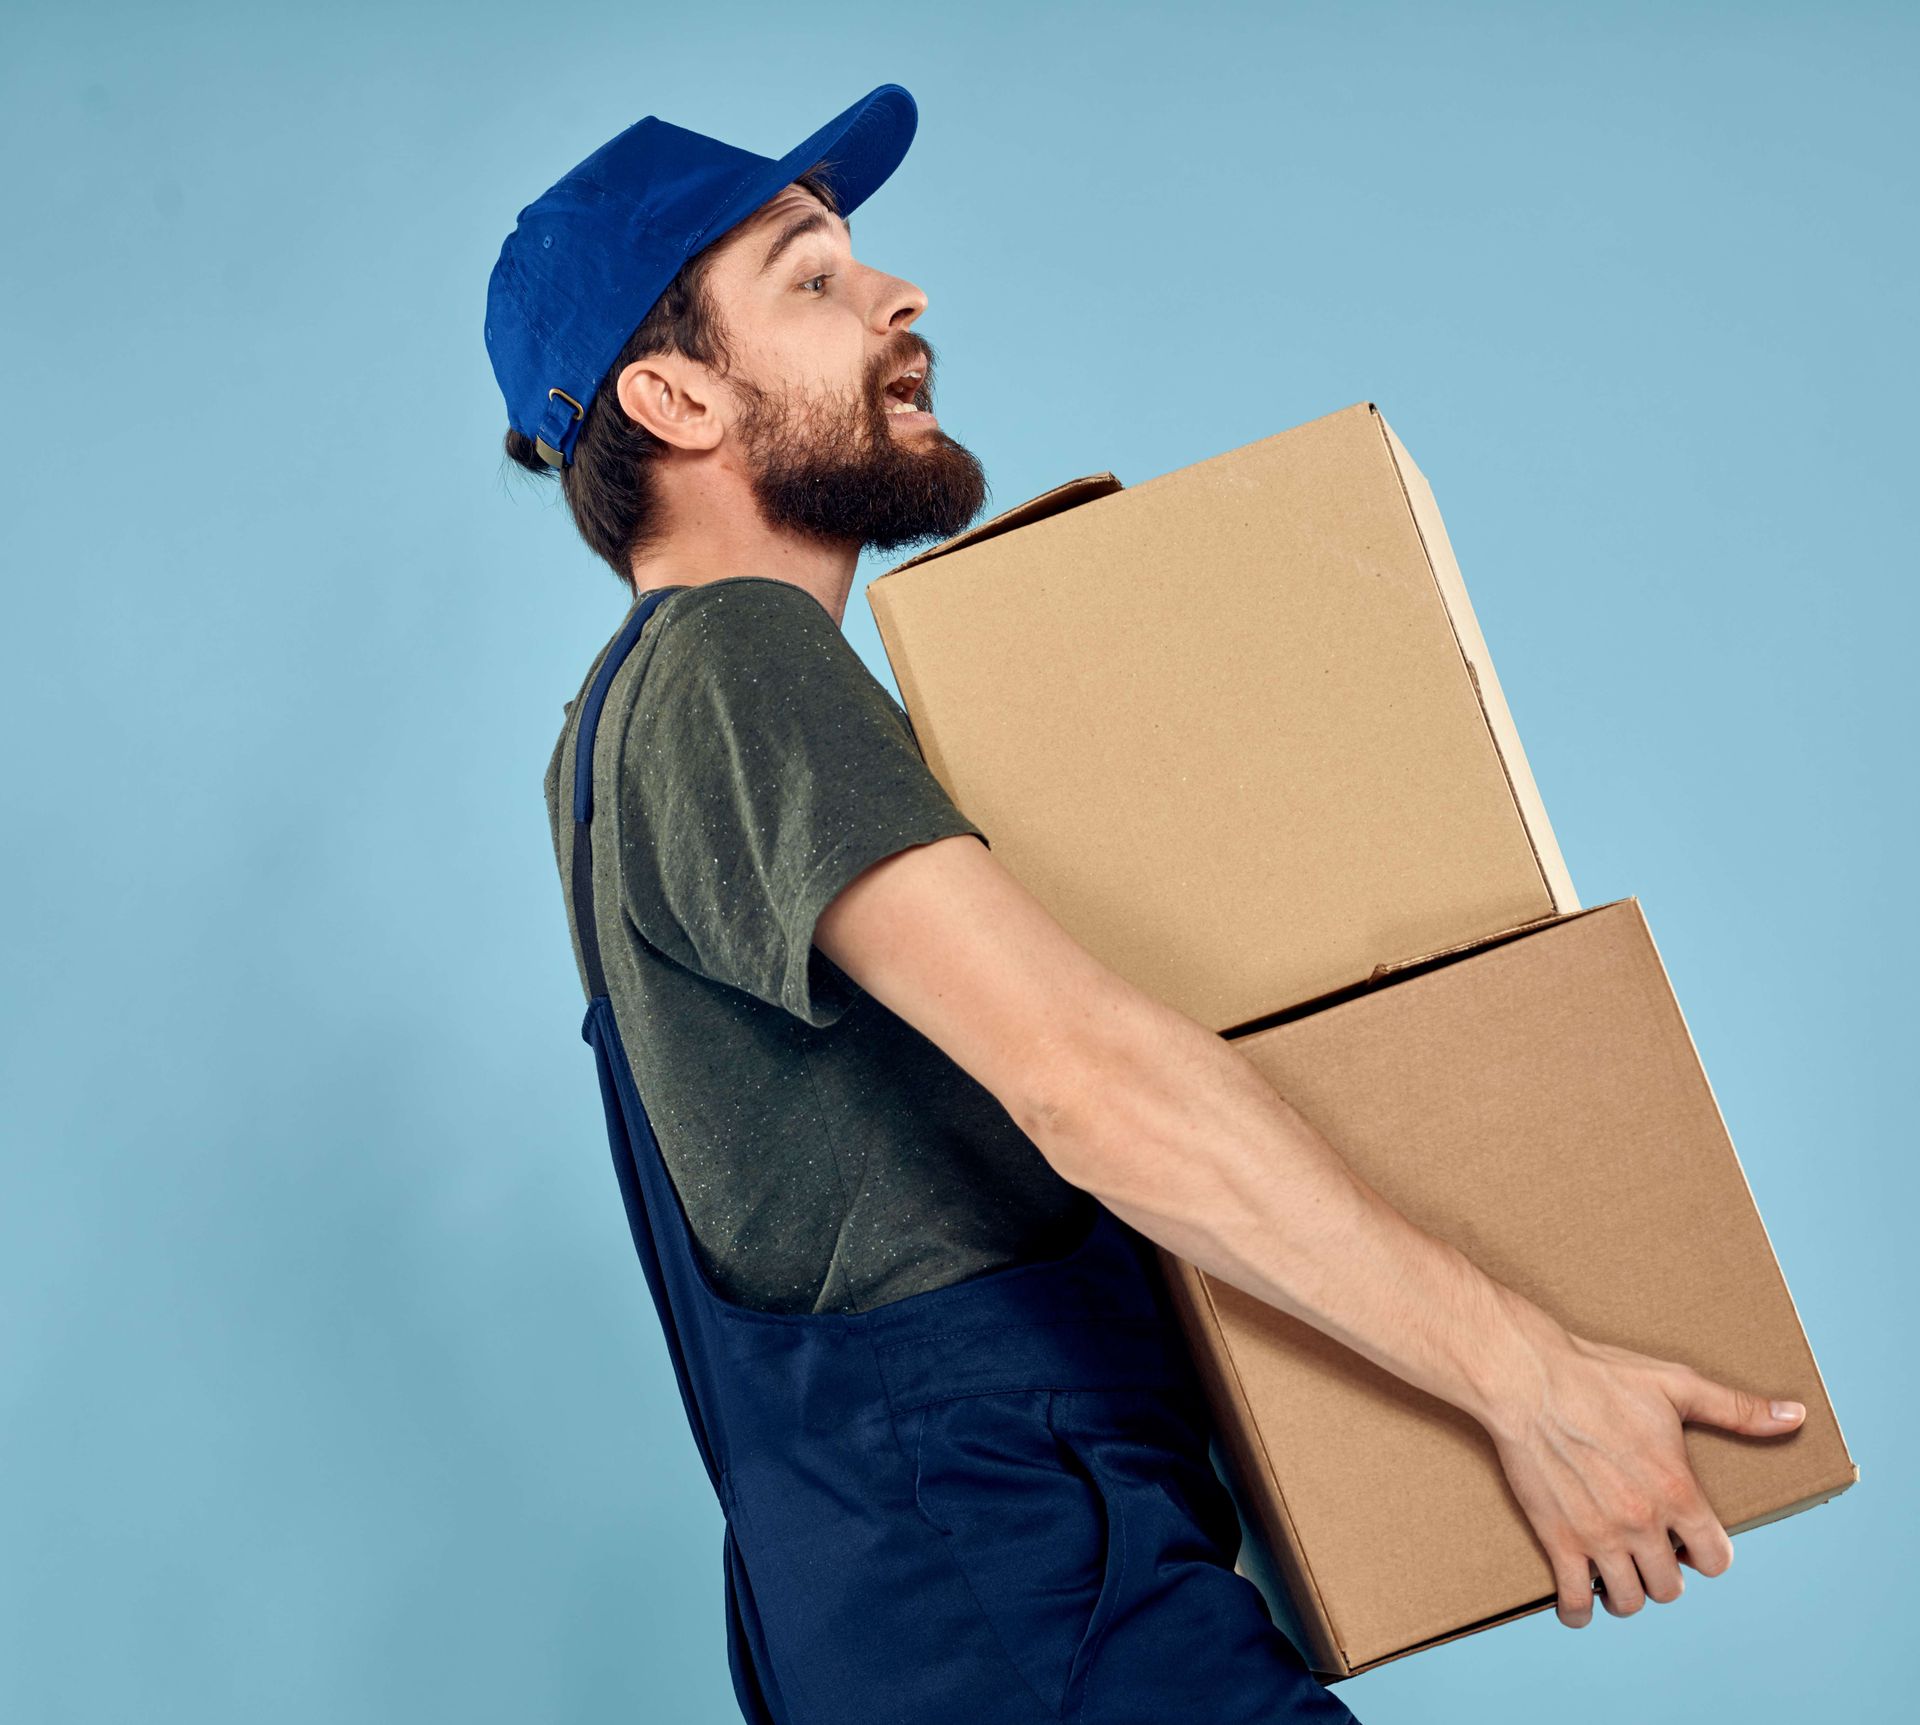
(546, 451)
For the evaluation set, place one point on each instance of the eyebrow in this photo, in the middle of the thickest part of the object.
(813, 221)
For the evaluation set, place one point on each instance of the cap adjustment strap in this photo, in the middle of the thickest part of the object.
(554, 435)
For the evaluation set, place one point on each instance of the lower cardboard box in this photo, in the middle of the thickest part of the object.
(1536, 1099)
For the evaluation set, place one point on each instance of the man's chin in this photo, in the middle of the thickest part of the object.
(907, 486)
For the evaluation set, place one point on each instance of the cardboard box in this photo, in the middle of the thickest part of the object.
(1235, 727)
(1536, 1100)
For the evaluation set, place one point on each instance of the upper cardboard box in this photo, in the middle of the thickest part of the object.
(1235, 727)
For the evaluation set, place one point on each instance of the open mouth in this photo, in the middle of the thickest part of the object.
(903, 393)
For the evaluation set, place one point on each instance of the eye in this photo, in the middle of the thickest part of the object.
(819, 278)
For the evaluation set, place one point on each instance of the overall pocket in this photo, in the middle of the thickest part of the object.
(1025, 1522)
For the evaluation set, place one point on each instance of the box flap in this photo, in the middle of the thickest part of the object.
(1399, 969)
(1061, 498)
(1393, 967)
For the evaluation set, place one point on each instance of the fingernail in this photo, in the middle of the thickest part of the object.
(1787, 1410)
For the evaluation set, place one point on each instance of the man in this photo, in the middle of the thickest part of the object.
(902, 1139)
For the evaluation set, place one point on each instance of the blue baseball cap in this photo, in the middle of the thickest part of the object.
(589, 257)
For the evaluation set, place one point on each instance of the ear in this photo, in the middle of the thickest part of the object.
(674, 398)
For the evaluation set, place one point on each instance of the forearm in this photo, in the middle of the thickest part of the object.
(1182, 1138)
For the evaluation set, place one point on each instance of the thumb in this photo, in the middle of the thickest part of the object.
(1717, 1404)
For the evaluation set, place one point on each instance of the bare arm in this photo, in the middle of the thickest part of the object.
(1181, 1137)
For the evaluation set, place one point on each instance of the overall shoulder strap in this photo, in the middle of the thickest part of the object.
(589, 728)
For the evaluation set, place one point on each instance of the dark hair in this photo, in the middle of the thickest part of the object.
(608, 484)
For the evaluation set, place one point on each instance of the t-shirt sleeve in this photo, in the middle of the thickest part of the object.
(762, 769)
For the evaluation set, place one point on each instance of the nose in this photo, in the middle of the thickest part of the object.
(897, 304)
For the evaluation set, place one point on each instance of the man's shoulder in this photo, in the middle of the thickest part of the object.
(751, 633)
(736, 606)
(743, 656)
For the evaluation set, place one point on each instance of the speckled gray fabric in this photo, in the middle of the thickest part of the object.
(829, 1156)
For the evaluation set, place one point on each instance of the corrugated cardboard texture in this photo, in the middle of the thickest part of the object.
(1235, 727)
(1540, 1104)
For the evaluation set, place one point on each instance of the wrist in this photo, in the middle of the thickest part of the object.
(1507, 1364)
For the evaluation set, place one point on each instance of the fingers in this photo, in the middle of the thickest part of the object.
(1620, 1589)
(1574, 1581)
(1647, 1568)
(1579, 1578)
(1660, 1578)
(1704, 1545)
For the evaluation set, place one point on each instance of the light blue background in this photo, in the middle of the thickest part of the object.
(331, 1390)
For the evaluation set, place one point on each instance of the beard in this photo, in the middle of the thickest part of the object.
(833, 469)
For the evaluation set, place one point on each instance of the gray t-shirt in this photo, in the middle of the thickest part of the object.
(830, 1157)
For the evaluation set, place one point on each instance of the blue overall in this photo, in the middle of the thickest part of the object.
(986, 1504)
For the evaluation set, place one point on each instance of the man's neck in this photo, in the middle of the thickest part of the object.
(716, 544)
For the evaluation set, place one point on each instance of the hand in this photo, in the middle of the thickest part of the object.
(1590, 1438)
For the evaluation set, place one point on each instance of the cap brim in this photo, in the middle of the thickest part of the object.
(859, 148)
(855, 151)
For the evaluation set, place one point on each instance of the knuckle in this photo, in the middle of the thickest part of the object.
(1605, 1540)
(1681, 1382)
(1632, 1510)
(1674, 1485)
